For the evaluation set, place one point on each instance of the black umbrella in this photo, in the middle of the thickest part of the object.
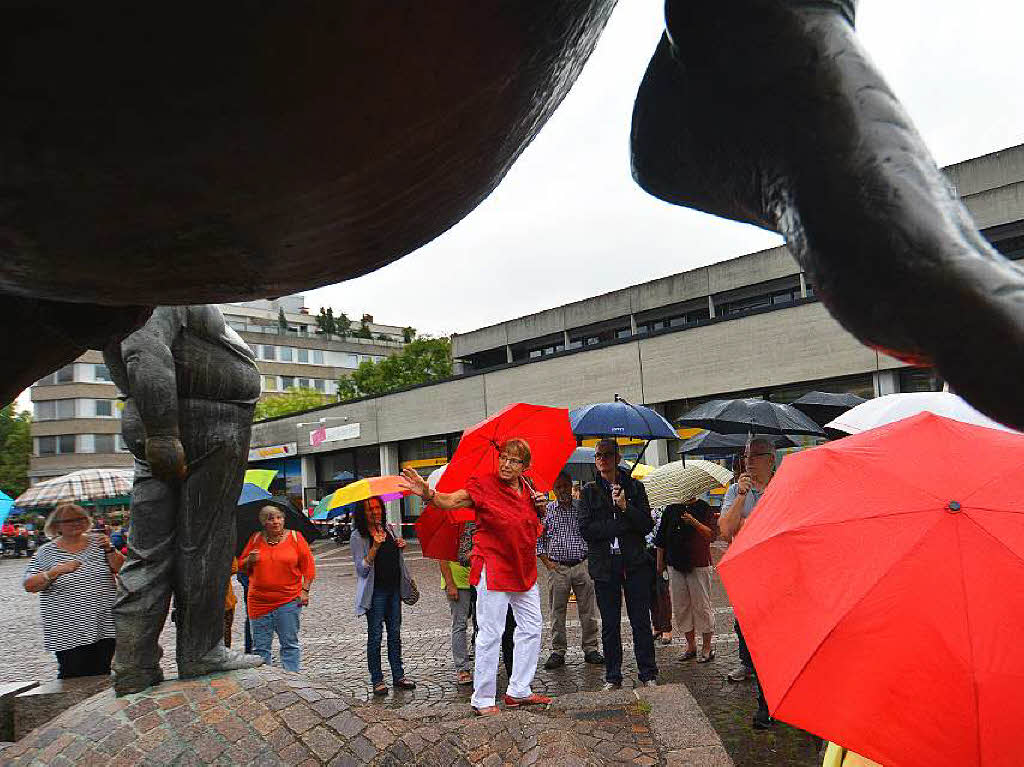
(822, 406)
(749, 416)
(717, 445)
(247, 520)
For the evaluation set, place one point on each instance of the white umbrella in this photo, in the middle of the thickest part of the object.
(85, 485)
(678, 483)
(435, 476)
(895, 407)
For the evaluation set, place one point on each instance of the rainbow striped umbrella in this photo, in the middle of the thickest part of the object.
(385, 488)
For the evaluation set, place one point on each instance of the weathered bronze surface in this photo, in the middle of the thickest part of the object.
(165, 157)
(191, 386)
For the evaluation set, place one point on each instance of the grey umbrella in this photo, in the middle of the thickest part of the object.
(749, 416)
(823, 406)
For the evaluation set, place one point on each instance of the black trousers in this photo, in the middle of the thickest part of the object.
(86, 660)
(747, 661)
(637, 590)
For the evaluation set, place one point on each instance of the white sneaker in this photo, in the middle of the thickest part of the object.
(650, 683)
(611, 686)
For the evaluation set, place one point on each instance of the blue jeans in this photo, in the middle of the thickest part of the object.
(285, 621)
(385, 609)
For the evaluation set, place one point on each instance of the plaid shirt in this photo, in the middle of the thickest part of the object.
(561, 540)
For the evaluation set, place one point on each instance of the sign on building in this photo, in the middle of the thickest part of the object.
(319, 436)
(273, 451)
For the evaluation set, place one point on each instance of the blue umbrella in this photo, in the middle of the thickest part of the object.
(6, 504)
(252, 493)
(620, 419)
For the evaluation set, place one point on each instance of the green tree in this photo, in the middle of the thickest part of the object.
(342, 325)
(282, 321)
(291, 401)
(364, 331)
(408, 334)
(15, 448)
(423, 360)
(325, 322)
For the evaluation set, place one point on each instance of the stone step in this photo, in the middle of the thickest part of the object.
(38, 705)
(7, 694)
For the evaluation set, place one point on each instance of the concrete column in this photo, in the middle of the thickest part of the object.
(508, 353)
(886, 382)
(389, 465)
(657, 451)
(711, 306)
(803, 285)
(565, 338)
(308, 464)
(632, 324)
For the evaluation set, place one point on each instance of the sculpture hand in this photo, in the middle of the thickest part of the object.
(166, 457)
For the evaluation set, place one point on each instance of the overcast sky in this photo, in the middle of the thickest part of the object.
(568, 222)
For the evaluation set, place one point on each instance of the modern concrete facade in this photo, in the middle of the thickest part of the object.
(76, 414)
(749, 326)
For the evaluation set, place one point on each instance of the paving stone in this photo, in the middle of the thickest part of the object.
(362, 748)
(346, 724)
(322, 742)
(299, 717)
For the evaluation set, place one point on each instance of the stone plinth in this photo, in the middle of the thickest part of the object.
(38, 705)
(7, 695)
(270, 717)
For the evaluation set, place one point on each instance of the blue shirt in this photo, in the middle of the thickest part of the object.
(561, 540)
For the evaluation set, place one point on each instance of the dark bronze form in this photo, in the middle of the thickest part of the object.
(770, 112)
(191, 386)
(163, 157)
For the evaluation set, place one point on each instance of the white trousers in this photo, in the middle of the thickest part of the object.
(491, 609)
(691, 600)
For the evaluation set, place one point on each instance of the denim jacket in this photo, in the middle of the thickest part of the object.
(360, 547)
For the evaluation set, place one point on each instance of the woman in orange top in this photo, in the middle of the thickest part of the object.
(280, 569)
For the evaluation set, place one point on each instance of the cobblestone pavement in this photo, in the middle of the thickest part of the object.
(334, 651)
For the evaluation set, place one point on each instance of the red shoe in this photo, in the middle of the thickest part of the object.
(486, 711)
(533, 700)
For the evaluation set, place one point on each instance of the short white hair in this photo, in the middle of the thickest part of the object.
(268, 511)
(50, 525)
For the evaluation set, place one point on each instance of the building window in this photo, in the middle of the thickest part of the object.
(65, 375)
(121, 446)
(920, 379)
(304, 383)
(318, 357)
(100, 373)
(285, 354)
(103, 443)
(104, 408)
(60, 444)
(318, 384)
(44, 411)
(287, 382)
(302, 356)
(623, 333)
(269, 383)
(65, 408)
(269, 352)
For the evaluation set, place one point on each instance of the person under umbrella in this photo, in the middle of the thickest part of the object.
(280, 567)
(757, 470)
(504, 569)
(381, 581)
(74, 576)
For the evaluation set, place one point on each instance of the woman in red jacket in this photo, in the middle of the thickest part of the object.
(504, 570)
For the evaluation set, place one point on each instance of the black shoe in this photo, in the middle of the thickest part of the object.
(762, 719)
(594, 657)
(555, 660)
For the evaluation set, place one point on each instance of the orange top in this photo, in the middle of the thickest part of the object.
(230, 600)
(276, 578)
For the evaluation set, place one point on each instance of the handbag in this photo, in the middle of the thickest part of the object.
(410, 591)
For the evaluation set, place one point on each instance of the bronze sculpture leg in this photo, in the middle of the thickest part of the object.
(770, 112)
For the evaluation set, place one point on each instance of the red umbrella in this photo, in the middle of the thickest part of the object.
(880, 586)
(545, 429)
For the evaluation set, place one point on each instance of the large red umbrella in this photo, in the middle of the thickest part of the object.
(880, 586)
(545, 429)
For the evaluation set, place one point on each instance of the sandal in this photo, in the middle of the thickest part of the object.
(666, 640)
(706, 658)
(464, 677)
(486, 711)
(380, 689)
(688, 655)
(405, 684)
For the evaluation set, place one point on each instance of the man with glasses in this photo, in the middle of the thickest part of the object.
(739, 502)
(615, 517)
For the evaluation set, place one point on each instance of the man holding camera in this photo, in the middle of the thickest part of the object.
(740, 500)
(615, 515)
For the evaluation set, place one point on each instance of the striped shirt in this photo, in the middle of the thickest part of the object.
(561, 540)
(76, 606)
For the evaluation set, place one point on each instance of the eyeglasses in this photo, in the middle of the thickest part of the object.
(510, 459)
(755, 455)
(74, 521)
(603, 456)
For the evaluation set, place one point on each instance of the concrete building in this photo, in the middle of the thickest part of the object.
(748, 326)
(76, 412)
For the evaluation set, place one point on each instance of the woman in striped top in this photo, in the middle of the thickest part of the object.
(74, 576)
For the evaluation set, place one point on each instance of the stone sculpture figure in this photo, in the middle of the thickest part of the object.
(302, 144)
(191, 385)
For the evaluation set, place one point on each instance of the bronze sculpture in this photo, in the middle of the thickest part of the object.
(191, 386)
(297, 146)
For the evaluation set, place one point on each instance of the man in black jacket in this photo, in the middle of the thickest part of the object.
(615, 515)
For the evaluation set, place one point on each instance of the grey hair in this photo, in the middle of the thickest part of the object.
(766, 445)
(267, 511)
(50, 526)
